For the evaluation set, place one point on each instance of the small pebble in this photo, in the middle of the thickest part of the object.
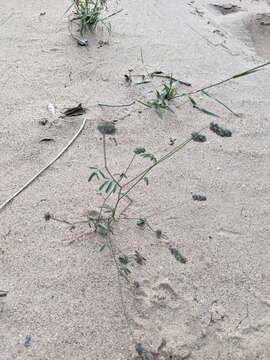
(27, 341)
(51, 109)
(82, 41)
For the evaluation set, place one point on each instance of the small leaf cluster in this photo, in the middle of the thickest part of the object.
(142, 152)
(89, 13)
(123, 264)
(220, 131)
(161, 101)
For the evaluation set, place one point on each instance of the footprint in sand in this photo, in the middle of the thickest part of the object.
(161, 294)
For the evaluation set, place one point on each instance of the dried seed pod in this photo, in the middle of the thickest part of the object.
(197, 197)
(220, 131)
(198, 137)
(139, 150)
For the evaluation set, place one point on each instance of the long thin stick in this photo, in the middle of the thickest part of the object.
(45, 168)
(116, 106)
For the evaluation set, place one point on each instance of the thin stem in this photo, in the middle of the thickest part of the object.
(106, 162)
(170, 78)
(119, 273)
(101, 209)
(229, 79)
(73, 223)
(120, 187)
(109, 172)
(220, 102)
(130, 163)
(140, 177)
(96, 4)
(116, 204)
(144, 172)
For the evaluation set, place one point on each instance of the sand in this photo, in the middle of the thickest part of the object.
(63, 300)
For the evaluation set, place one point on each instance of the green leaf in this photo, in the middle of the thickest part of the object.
(150, 157)
(104, 184)
(178, 256)
(103, 228)
(102, 174)
(169, 109)
(220, 102)
(106, 207)
(92, 176)
(103, 245)
(207, 112)
(123, 176)
(140, 221)
(195, 106)
(109, 187)
(123, 259)
(193, 102)
(146, 180)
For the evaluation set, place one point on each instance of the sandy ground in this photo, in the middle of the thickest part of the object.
(63, 293)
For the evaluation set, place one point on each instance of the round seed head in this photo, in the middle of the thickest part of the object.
(106, 128)
(198, 137)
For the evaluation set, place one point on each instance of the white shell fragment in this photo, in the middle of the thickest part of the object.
(51, 109)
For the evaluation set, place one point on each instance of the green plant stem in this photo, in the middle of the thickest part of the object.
(119, 274)
(106, 161)
(120, 187)
(170, 78)
(130, 163)
(140, 176)
(228, 79)
(144, 172)
(248, 72)
(73, 223)
(221, 103)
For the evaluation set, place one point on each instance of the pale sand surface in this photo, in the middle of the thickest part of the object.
(62, 291)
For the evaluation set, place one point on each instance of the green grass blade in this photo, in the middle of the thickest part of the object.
(220, 102)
